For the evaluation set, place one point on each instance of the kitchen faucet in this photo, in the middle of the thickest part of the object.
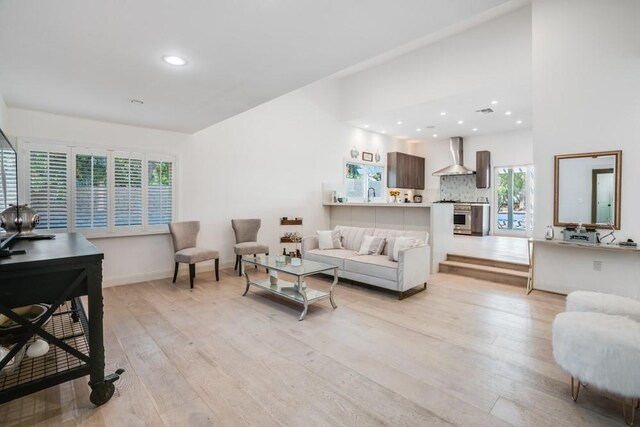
(369, 193)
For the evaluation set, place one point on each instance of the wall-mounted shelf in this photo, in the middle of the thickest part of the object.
(290, 225)
(290, 221)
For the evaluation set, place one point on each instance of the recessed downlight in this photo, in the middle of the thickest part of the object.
(174, 60)
(494, 102)
(136, 101)
(507, 113)
(460, 122)
(475, 129)
(443, 113)
(519, 122)
(383, 131)
(435, 135)
(418, 130)
(366, 126)
(399, 122)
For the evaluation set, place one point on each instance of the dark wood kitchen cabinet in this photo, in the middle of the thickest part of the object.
(405, 171)
(483, 169)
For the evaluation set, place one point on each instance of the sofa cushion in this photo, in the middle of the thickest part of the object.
(371, 245)
(373, 265)
(352, 236)
(422, 236)
(398, 244)
(329, 239)
(330, 256)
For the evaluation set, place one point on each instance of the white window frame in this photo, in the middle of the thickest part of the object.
(380, 198)
(24, 145)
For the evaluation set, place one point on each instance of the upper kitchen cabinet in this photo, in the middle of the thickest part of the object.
(483, 169)
(405, 171)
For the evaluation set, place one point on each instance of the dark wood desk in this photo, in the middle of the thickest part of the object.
(57, 272)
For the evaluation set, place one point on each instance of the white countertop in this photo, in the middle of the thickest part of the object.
(382, 205)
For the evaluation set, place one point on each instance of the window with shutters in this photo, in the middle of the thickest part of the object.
(98, 192)
(48, 192)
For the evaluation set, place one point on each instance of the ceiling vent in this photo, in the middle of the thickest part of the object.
(486, 111)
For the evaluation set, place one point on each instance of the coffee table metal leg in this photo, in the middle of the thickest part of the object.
(304, 297)
(333, 285)
(246, 276)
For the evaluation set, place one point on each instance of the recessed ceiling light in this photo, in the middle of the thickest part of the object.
(136, 101)
(475, 129)
(519, 122)
(383, 131)
(443, 113)
(494, 102)
(366, 126)
(174, 60)
(418, 130)
(435, 135)
(507, 113)
(460, 122)
(399, 122)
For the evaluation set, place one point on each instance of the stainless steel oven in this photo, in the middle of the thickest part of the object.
(462, 219)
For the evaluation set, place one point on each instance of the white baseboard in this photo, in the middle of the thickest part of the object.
(162, 274)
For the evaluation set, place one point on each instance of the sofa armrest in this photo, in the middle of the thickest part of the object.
(309, 243)
(413, 267)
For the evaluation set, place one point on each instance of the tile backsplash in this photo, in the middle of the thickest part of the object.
(461, 187)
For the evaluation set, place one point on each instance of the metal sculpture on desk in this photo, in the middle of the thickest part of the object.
(19, 218)
(609, 234)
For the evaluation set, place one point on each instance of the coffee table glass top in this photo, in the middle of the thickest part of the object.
(307, 267)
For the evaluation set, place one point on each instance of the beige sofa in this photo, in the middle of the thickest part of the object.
(411, 270)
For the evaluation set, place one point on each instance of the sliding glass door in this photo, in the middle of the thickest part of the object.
(514, 200)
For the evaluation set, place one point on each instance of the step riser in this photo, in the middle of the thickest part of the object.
(484, 275)
(488, 262)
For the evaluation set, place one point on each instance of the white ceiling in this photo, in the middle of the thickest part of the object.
(515, 100)
(88, 58)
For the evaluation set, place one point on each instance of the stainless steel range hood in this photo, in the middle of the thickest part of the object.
(457, 168)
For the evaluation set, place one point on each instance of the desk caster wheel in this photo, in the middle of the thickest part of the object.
(101, 393)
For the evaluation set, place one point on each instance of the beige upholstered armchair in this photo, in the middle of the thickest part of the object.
(185, 235)
(246, 232)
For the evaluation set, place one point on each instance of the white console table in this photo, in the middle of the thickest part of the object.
(562, 267)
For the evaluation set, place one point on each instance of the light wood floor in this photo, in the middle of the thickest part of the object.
(465, 352)
(501, 248)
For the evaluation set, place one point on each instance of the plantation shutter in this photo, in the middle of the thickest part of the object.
(159, 192)
(91, 191)
(127, 192)
(9, 183)
(48, 187)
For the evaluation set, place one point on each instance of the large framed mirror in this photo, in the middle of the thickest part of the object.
(587, 189)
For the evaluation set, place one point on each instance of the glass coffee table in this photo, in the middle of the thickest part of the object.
(297, 290)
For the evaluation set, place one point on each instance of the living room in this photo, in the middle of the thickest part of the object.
(270, 160)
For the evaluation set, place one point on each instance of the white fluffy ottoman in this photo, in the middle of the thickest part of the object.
(600, 350)
(604, 303)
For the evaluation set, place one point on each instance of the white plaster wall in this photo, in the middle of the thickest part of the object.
(127, 259)
(586, 97)
(507, 149)
(495, 54)
(271, 162)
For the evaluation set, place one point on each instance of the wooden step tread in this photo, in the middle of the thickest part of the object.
(486, 268)
(470, 259)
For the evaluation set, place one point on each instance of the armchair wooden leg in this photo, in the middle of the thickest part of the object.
(217, 275)
(255, 266)
(267, 254)
(175, 273)
(192, 274)
(237, 260)
(239, 265)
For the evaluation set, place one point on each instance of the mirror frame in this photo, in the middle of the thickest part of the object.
(618, 183)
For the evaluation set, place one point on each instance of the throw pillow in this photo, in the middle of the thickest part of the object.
(371, 245)
(395, 245)
(329, 239)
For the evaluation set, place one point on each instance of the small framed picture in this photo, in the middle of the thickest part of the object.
(367, 157)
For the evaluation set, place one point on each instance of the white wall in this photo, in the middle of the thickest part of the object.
(586, 97)
(507, 149)
(271, 162)
(127, 259)
(495, 54)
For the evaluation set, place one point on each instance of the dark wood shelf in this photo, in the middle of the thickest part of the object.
(286, 240)
(290, 222)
